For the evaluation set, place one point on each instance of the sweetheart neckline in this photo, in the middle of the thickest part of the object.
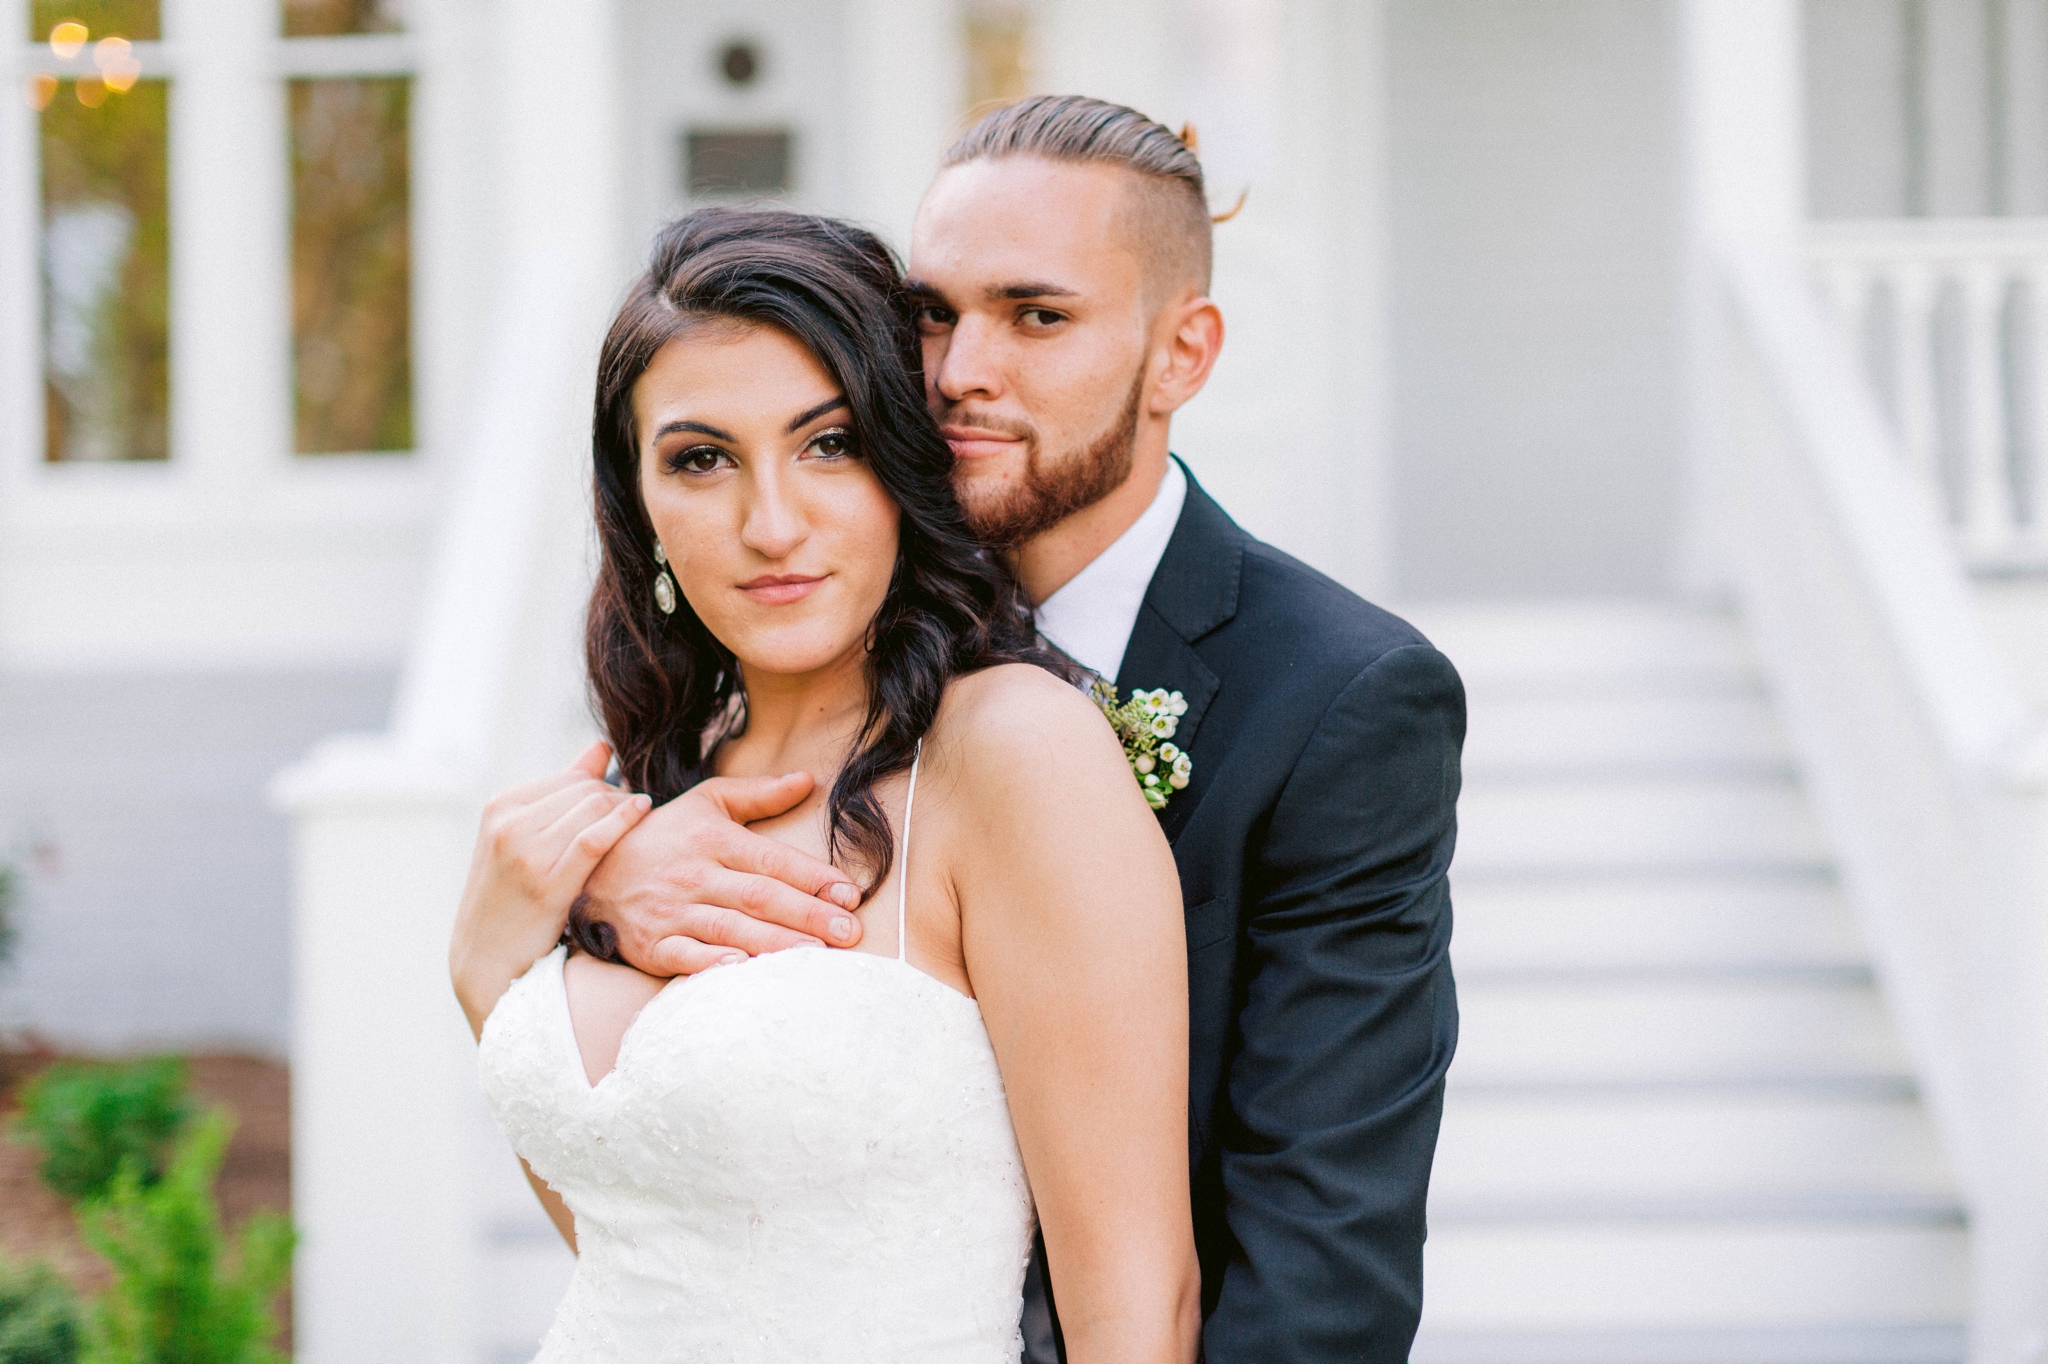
(575, 1050)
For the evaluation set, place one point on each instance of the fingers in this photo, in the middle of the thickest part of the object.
(750, 852)
(747, 799)
(683, 957)
(712, 920)
(770, 902)
(594, 762)
(599, 830)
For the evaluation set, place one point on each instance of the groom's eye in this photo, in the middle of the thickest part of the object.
(933, 315)
(1042, 317)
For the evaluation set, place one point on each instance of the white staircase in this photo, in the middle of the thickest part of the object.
(1679, 1126)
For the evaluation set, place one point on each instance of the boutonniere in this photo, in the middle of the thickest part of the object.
(1144, 724)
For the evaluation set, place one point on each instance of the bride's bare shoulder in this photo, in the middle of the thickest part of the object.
(1025, 723)
(1018, 698)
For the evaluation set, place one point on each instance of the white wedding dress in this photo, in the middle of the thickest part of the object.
(806, 1156)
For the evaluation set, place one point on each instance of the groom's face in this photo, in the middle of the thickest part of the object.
(1036, 331)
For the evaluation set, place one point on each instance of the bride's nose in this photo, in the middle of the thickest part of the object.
(775, 523)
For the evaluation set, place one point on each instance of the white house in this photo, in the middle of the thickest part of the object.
(1680, 365)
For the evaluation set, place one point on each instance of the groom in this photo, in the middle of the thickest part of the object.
(1062, 256)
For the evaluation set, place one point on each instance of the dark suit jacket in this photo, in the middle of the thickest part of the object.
(1313, 841)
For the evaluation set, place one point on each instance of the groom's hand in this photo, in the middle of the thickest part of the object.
(690, 887)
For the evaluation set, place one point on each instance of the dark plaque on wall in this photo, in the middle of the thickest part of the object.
(719, 161)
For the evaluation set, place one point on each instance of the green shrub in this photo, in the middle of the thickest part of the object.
(182, 1294)
(88, 1118)
(38, 1316)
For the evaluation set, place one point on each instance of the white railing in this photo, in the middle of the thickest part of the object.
(1930, 772)
(1950, 317)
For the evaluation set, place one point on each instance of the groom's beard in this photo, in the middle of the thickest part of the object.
(1051, 490)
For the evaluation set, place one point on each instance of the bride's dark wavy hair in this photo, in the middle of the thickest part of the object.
(665, 689)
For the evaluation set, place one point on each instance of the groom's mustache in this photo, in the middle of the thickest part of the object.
(964, 423)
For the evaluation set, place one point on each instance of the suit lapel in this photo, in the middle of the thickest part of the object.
(1193, 591)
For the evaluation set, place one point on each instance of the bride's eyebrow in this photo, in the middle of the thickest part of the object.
(701, 428)
(809, 415)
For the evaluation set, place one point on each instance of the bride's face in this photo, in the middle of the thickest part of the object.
(777, 531)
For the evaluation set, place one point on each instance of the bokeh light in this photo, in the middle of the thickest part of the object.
(40, 89)
(67, 39)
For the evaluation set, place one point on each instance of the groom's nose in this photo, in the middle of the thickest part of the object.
(969, 365)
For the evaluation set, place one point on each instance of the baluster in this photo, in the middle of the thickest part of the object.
(2034, 538)
(1987, 511)
(1914, 292)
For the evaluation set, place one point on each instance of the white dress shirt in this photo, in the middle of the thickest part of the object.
(1090, 619)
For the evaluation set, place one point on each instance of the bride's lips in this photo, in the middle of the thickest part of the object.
(779, 589)
(978, 442)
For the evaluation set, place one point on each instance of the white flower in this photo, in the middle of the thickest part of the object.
(1144, 763)
(1168, 753)
(1164, 726)
(1178, 781)
(1183, 765)
(1177, 705)
(1151, 780)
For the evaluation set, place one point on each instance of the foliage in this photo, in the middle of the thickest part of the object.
(184, 1292)
(38, 1316)
(89, 1118)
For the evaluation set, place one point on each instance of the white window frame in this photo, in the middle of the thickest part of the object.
(233, 501)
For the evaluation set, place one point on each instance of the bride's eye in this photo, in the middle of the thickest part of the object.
(833, 444)
(698, 459)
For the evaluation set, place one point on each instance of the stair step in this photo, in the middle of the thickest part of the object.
(1608, 1031)
(1708, 922)
(1582, 643)
(1517, 735)
(1732, 1273)
(1536, 1152)
(1944, 1343)
(1647, 824)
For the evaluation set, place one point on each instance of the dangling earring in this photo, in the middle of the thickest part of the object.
(664, 586)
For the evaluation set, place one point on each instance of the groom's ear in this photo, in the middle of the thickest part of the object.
(1188, 336)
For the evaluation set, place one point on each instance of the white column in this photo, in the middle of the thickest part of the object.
(231, 416)
(394, 1265)
(1745, 188)
(906, 82)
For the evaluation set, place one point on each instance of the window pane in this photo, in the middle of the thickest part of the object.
(998, 55)
(106, 272)
(351, 265)
(132, 19)
(330, 18)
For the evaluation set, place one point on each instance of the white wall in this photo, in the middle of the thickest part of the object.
(1535, 261)
(154, 907)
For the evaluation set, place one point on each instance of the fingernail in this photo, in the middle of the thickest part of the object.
(846, 895)
(733, 959)
(643, 803)
(842, 928)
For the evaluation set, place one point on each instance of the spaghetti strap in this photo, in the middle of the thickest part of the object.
(903, 862)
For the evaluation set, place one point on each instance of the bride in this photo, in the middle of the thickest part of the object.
(828, 1155)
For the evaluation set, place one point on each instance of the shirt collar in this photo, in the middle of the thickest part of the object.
(1090, 618)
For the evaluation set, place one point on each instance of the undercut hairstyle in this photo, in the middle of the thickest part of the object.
(665, 689)
(1168, 208)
